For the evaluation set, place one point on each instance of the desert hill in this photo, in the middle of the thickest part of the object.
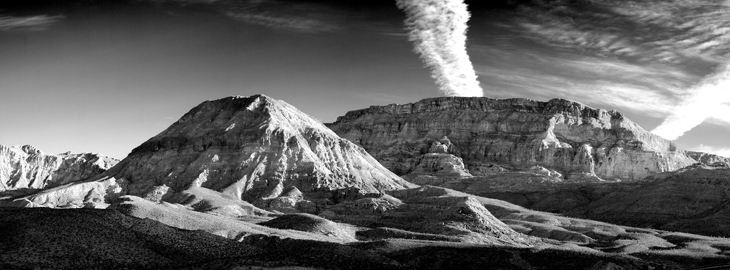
(249, 148)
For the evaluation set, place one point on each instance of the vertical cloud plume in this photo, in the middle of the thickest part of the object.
(705, 99)
(438, 31)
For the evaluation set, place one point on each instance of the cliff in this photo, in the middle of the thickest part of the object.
(27, 168)
(578, 141)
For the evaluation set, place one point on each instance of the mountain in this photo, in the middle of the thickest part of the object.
(251, 182)
(247, 148)
(24, 168)
(496, 135)
(548, 156)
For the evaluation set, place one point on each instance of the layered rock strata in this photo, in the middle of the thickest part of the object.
(493, 135)
(251, 148)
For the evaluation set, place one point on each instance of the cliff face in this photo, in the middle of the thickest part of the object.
(251, 148)
(576, 140)
(25, 167)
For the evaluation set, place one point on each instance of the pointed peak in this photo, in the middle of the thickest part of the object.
(255, 102)
(239, 98)
(235, 115)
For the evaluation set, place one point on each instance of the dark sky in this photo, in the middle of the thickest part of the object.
(104, 76)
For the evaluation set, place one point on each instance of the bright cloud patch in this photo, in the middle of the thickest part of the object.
(28, 23)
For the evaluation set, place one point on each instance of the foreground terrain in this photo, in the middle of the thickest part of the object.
(475, 183)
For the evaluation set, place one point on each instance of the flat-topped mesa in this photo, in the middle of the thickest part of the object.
(559, 134)
(27, 168)
(252, 148)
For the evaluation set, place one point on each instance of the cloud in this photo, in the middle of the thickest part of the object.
(703, 101)
(284, 22)
(721, 116)
(27, 23)
(671, 31)
(438, 31)
(691, 38)
(518, 72)
(301, 17)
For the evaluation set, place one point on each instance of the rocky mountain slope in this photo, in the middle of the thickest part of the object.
(491, 135)
(548, 156)
(250, 148)
(255, 183)
(27, 168)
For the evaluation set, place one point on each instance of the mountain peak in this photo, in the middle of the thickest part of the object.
(258, 115)
(252, 148)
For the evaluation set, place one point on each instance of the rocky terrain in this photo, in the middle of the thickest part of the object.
(25, 168)
(253, 183)
(140, 234)
(556, 156)
(493, 135)
(252, 148)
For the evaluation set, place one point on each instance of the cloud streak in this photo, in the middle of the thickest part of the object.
(438, 31)
(691, 38)
(289, 23)
(517, 72)
(27, 23)
(669, 31)
(704, 101)
(300, 17)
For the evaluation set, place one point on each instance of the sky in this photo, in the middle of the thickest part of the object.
(104, 76)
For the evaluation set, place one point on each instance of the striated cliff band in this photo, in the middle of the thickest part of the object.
(496, 135)
(255, 148)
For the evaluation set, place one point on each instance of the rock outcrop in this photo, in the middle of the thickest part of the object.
(429, 213)
(27, 168)
(250, 148)
(493, 135)
(437, 166)
(707, 159)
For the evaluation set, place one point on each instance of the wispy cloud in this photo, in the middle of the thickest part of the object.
(27, 23)
(671, 31)
(303, 17)
(283, 22)
(703, 101)
(658, 57)
(647, 89)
